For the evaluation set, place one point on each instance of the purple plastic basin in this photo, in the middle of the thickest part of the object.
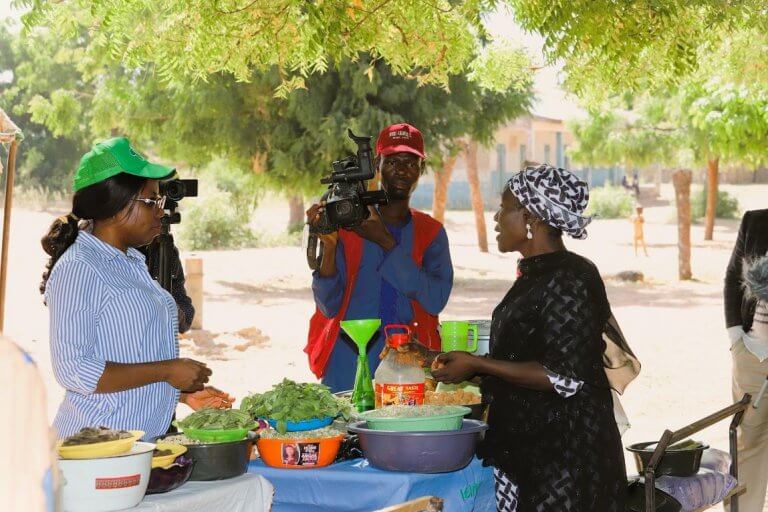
(167, 479)
(419, 452)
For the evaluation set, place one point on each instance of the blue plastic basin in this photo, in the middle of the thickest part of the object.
(300, 426)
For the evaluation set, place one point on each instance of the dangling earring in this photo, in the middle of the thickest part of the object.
(529, 234)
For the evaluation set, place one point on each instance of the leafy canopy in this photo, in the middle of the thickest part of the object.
(428, 40)
(609, 46)
(695, 122)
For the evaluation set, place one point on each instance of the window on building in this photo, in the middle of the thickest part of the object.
(501, 158)
(501, 165)
(547, 154)
(523, 151)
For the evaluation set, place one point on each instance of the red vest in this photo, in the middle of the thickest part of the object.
(324, 331)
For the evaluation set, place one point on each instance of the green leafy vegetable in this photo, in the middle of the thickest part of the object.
(291, 401)
(216, 419)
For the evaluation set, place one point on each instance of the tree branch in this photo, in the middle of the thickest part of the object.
(247, 7)
(365, 18)
(437, 8)
(402, 33)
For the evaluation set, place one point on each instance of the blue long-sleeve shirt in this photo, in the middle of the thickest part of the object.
(104, 306)
(430, 285)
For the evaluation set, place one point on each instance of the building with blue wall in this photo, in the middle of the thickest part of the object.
(531, 139)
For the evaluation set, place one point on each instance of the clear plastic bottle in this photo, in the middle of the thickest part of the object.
(397, 382)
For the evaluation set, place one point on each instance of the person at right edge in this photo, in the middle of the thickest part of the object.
(396, 266)
(746, 317)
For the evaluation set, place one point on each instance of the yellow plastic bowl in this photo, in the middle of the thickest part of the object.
(97, 450)
(166, 460)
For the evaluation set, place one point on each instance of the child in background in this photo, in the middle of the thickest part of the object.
(638, 220)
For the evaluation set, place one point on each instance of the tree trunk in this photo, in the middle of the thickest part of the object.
(681, 179)
(259, 163)
(477, 197)
(712, 172)
(295, 213)
(440, 195)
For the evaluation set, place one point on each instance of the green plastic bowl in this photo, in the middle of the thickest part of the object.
(450, 420)
(218, 436)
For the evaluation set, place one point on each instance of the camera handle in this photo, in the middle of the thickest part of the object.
(165, 244)
(315, 250)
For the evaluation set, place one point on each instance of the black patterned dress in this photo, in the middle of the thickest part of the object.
(561, 451)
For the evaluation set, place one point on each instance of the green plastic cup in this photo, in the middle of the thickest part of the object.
(454, 335)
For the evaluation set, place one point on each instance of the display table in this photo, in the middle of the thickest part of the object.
(355, 486)
(247, 493)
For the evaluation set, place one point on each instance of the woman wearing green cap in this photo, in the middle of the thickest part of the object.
(113, 329)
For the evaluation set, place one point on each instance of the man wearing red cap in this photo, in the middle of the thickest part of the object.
(396, 266)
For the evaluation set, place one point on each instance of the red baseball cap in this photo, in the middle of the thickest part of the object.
(400, 138)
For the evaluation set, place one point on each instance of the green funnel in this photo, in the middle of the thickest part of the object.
(361, 332)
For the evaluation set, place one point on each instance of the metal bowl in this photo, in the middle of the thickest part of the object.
(673, 463)
(219, 461)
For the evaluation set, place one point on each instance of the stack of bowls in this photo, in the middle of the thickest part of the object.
(483, 336)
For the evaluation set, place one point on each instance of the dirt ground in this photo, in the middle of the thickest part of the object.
(258, 301)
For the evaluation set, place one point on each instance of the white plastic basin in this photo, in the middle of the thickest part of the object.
(109, 483)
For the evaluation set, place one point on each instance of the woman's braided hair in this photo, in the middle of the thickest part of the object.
(96, 202)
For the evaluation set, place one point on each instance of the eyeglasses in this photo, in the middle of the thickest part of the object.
(158, 203)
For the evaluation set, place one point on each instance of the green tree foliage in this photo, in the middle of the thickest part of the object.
(610, 203)
(210, 222)
(294, 140)
(140, 85)
(725, 120)
(727, 205)
(690, 124)
(699, 122)
(608, 46)
(138, 57)
(612, 136)
(317, 118)
(428, 40)
(46, 96)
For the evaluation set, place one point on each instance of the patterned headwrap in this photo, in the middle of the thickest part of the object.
(554, 195)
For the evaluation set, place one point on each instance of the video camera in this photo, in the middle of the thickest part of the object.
(347, 199)
(174, 191)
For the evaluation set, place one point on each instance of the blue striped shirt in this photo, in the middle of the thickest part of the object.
(104, 306)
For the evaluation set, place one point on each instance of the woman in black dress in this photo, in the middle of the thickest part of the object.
(555, 354)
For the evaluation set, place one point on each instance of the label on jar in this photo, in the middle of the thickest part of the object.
(399, 394)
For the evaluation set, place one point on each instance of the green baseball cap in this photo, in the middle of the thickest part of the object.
(111, 157)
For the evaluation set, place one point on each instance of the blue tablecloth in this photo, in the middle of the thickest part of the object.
(355, 486)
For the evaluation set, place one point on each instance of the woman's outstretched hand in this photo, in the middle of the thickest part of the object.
(454, 367)
(208, 397)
